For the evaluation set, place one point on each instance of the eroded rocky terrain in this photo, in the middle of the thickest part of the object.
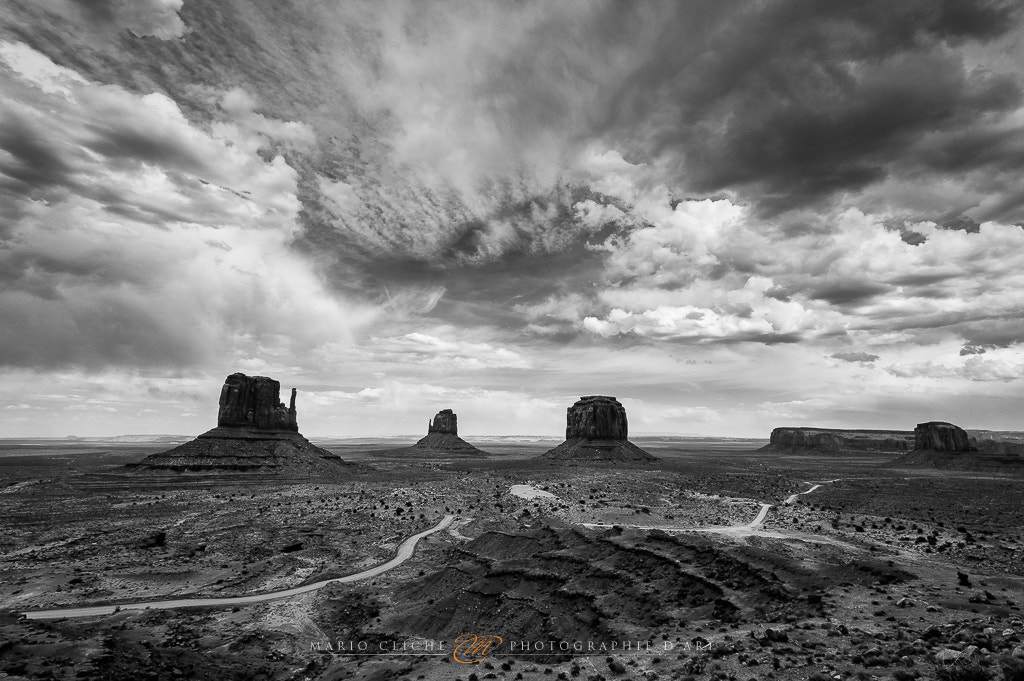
(855, 571)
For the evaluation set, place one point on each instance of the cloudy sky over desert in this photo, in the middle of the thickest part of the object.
(730, 215)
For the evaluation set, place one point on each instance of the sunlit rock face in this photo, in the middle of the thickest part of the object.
(596, 429)
(942, 437)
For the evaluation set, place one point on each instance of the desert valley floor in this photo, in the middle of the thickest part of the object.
(857, 570)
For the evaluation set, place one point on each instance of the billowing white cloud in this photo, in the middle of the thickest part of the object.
(137, 239)
(422, 348)
(999, 365)
(341, 195)
(712, 270)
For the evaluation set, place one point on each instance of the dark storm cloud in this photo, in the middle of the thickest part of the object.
(92, 332)
(142, 17)
(97, 10)
(31, 161)
(849, 293)
(855, 356)
(134, 143)
(921, 278)
(797, 101)
(994, 333)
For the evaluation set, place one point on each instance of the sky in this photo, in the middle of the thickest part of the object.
(731, 215)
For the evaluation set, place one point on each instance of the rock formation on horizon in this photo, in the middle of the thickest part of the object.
(942, 445)
(796, 440)
(445, 421)
(254, 402)
(255, 432)
(596, 429)
(443, 438)
(941, 436)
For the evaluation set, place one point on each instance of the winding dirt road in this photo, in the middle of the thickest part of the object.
(792, 497)
(754, 526)
(405, 551)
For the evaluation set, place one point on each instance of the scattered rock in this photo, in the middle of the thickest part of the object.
(947, 655)
(155, 540)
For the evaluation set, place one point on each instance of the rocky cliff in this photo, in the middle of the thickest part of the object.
(255, 433)
(596, 417)
(940, 436)
(796, 440)
(596, 429)
(255, 402)
(445, 422)
(943, 445)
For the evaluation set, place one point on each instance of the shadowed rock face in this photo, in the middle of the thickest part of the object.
(445, 422)
(596, 417)
(254, 402)
(596, 429)
(833, 440)
(942, 437)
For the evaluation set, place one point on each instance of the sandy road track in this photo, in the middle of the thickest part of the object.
(405, 551)
(792, 497)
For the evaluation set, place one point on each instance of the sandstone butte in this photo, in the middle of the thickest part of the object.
(255, 432)
(597, 430)
(442, 440)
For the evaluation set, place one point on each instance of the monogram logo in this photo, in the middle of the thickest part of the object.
(470, 648)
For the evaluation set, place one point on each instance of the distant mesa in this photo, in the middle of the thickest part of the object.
(817, 440)
(442, 440)
(938, 444)
(597, 430)
(255, 432)
(940, 436)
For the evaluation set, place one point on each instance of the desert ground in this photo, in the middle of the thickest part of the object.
(717, 561)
